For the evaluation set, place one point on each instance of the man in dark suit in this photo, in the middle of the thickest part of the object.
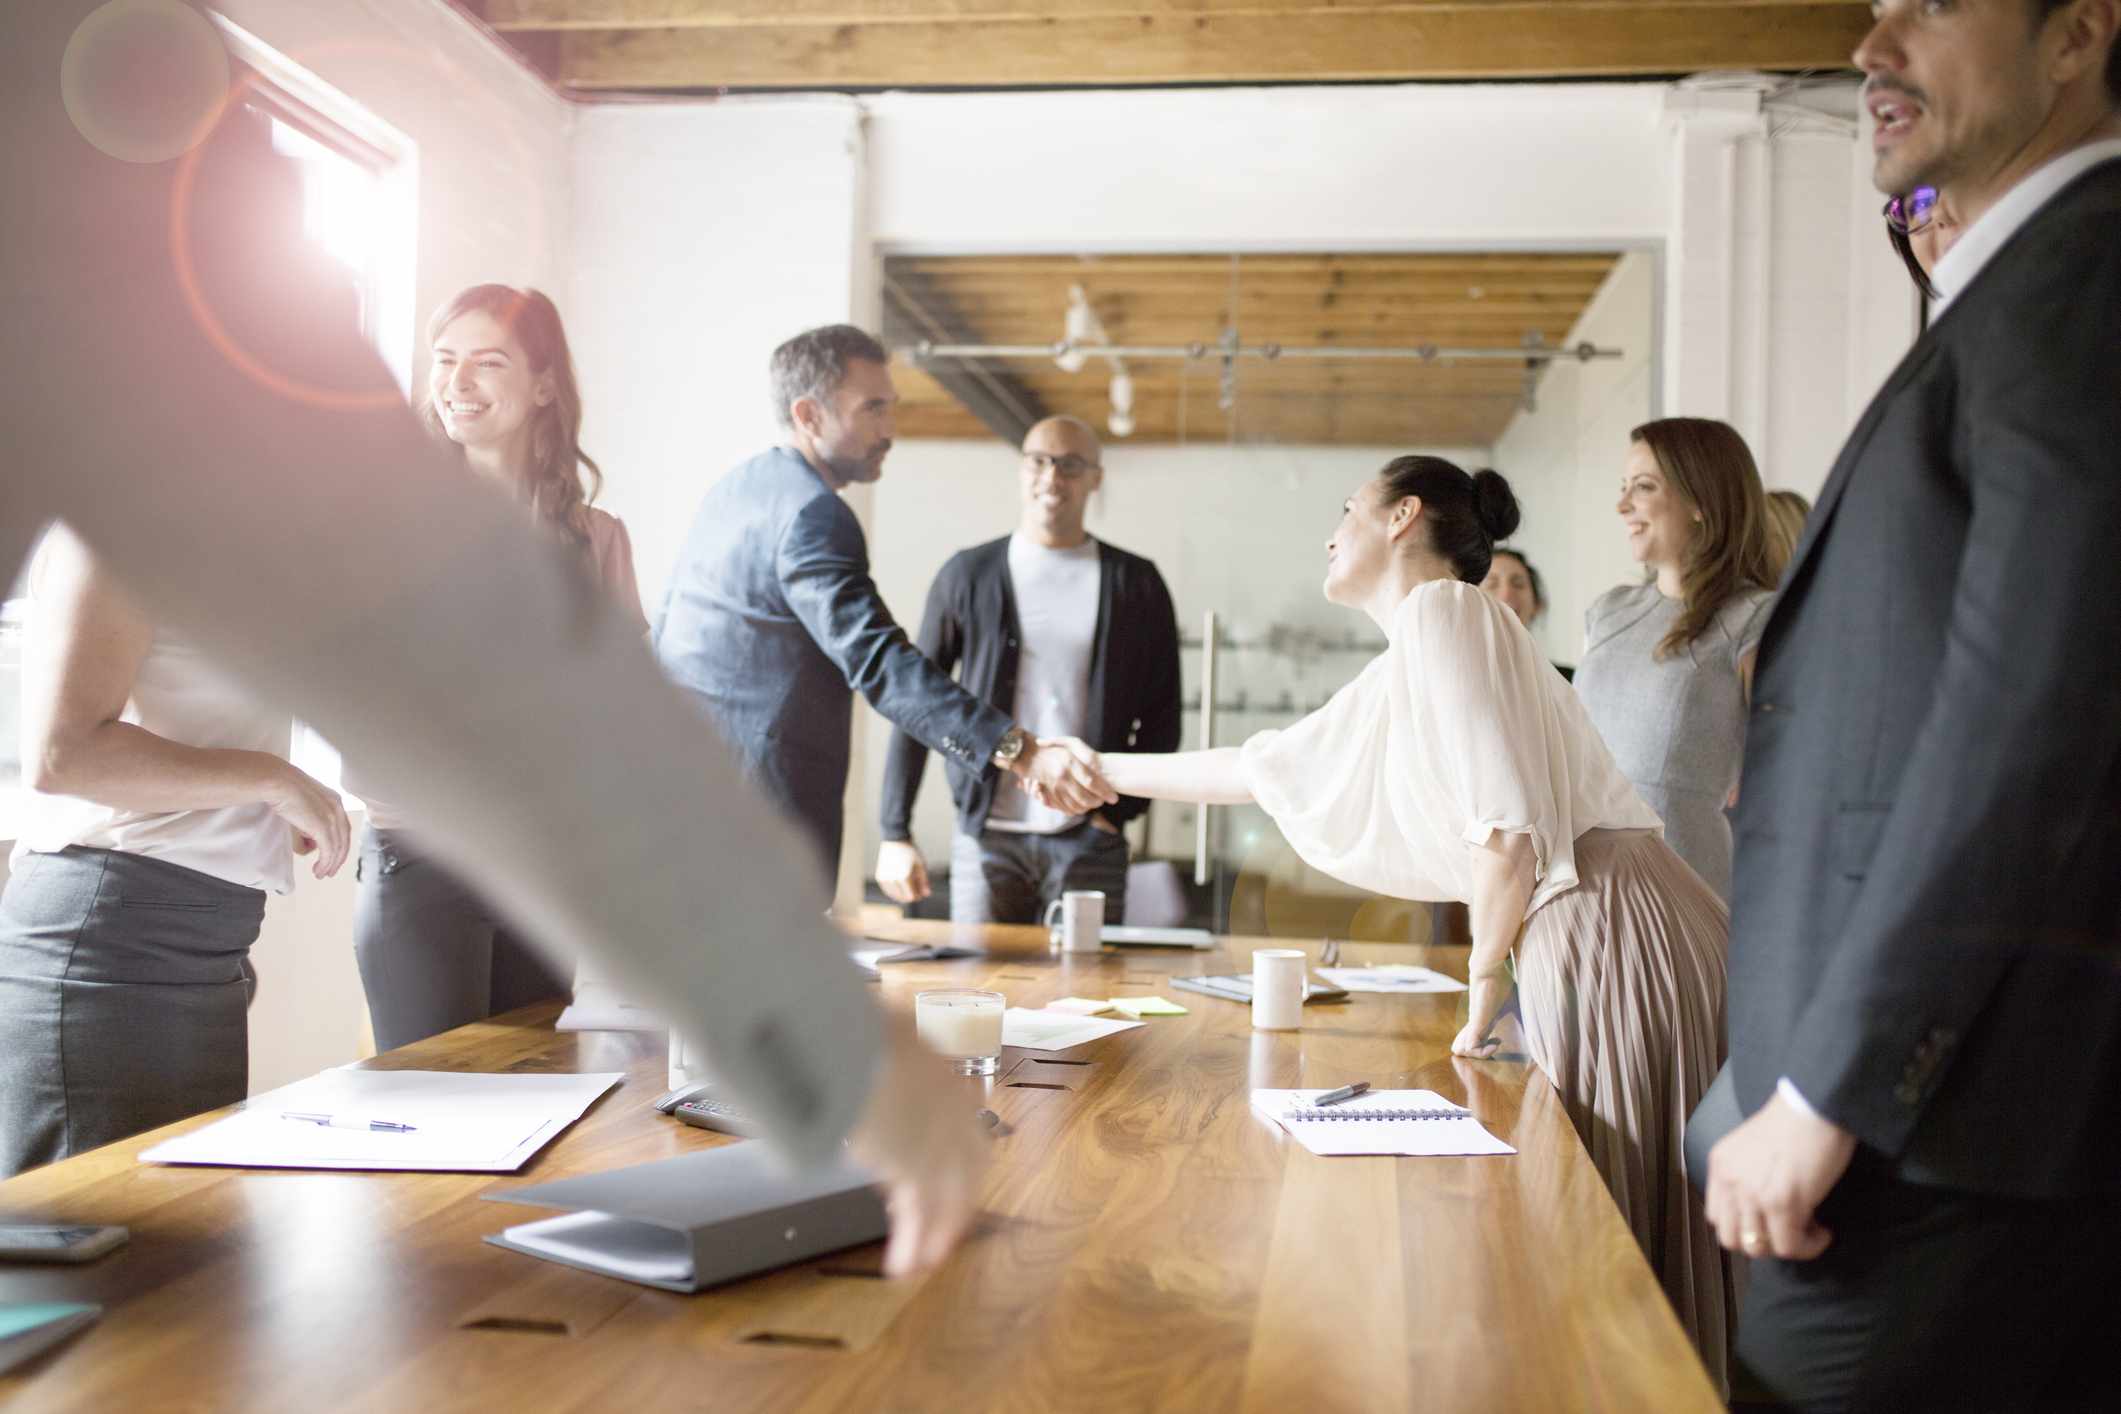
(1925, 983)
(771, 614)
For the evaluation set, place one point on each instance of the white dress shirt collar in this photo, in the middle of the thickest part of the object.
(1978, 244)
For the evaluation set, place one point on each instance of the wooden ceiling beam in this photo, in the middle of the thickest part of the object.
(519, 15)
(1498, 40)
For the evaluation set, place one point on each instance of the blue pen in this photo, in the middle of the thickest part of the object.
(385, 1126)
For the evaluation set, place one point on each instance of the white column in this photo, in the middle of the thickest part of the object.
(1702, 306)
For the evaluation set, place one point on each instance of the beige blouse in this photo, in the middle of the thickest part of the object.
(1460, 729)
(611, 562)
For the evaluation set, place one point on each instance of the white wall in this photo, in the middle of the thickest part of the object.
(1240, 531)
(705, 234)
(1564, 457)
(1343, 168)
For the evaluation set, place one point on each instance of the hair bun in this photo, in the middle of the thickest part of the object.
(1495, 505)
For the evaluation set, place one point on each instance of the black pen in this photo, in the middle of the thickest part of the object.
(1345, 1092)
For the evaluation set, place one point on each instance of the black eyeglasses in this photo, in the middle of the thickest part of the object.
(1913, 212)
(1068, 467)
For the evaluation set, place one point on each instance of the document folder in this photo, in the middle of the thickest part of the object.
(698, 1220)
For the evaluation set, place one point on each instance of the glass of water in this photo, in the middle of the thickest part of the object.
(963, 1024)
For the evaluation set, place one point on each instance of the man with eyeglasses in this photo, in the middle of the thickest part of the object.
(1925, 963)
(1072, 637)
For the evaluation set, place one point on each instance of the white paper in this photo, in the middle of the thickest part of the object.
(1349, 1133)
(462, 1122)
(636, 1250)
(1055, 1030)
(1390, 977)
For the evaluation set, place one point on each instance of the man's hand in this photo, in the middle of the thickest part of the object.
(901, 872)
(1064, 774)
(1767, 1178)
(919, 1136)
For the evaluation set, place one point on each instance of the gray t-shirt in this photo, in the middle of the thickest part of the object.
(1056, 595)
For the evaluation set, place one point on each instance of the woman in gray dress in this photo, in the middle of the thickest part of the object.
(1667, 664)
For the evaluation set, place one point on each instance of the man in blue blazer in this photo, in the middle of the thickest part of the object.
(1925, 979)
(771, 615)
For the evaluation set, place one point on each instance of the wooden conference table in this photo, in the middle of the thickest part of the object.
(1149, 1244)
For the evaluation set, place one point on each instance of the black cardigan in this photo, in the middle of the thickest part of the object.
(970, 625)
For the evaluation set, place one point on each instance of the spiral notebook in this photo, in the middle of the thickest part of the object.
(1419, 1122)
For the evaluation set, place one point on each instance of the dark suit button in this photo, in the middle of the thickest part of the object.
(1766, 707)
(1907, 1094)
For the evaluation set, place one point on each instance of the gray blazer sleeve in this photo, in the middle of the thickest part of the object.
(575, 786)
(2003, 785)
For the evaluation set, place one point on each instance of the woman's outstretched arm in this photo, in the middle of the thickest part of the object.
(1205, 777)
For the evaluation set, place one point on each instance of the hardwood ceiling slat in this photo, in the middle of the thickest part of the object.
(1376, 299)
(1501, 40)
(513, 15)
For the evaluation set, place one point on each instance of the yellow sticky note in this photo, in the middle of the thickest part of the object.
(1138, 1007)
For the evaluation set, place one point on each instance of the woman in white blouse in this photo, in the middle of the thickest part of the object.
(1459, 766)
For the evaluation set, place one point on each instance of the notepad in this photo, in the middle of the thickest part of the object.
(888, 951)
(1417, 1122)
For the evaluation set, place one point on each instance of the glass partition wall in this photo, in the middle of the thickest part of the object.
(1240, 399)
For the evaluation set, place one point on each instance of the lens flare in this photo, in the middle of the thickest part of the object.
(143, 80)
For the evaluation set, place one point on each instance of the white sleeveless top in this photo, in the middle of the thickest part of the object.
(180, 697)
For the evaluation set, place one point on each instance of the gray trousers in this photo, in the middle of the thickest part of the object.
(433, 955)
(124, 987)
(1009, 878)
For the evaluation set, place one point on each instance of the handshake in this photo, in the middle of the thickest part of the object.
(1059, 772)
(1062, 773)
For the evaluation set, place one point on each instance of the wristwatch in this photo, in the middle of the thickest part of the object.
(1011, 747)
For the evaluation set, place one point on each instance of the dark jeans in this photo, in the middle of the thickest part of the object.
(1008, 878)
(433, 955)
(124, 987)
(1932, 1300)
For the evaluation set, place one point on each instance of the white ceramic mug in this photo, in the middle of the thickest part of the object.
(1278, 982)
(1081, 920)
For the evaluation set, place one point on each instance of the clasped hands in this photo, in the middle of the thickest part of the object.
(1062, 773)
